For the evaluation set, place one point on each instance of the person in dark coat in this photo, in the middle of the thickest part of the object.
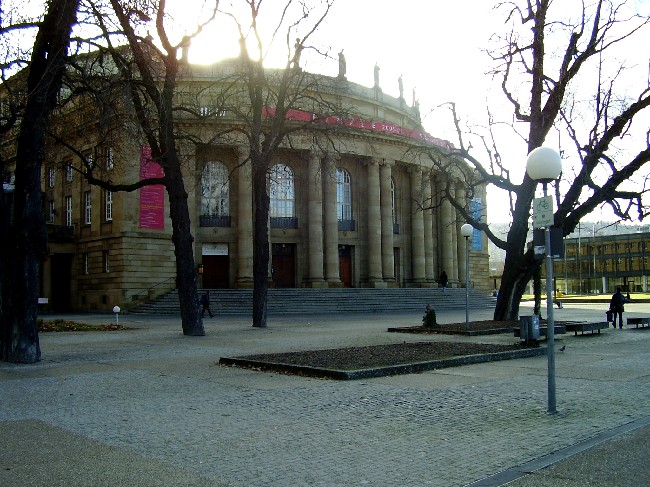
(205, 304)
(444, 280)
(616, 305)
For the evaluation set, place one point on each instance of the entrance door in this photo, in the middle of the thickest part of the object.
(215, 272)
(345, 265)
(284, 265)
(397, 267)
(60, 294)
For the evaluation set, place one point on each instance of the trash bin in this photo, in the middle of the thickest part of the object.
(529, 327)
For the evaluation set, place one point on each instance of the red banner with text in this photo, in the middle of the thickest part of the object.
(358, 123)
(152, 198)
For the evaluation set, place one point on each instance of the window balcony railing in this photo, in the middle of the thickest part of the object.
(347, 225)
(284, 222)
(214, 220)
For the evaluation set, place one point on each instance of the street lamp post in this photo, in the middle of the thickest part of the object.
(545, 165)
(466, 231)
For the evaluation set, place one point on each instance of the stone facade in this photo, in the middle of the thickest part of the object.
(366, 212)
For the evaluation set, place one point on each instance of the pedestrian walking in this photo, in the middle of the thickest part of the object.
(205, 304)
(444, 280)
(616, 306)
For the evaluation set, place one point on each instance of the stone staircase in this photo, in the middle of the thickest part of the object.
(325, 301)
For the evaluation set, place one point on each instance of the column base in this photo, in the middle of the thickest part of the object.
(244, 283)
(419, 283)
(377, 284)
(317, 283)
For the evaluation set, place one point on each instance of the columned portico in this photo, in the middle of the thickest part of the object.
(244, 221)
(387, 218)
(315, 218)
(417, 228)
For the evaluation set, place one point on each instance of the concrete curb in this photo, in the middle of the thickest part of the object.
(413, 368)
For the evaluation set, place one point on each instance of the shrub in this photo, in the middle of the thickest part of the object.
(429, 318)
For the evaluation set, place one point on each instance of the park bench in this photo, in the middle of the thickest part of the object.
(583, 327)
(638, 321)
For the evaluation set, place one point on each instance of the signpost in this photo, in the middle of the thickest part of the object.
(543, 212)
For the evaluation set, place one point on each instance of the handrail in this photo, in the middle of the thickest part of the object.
(146, 291)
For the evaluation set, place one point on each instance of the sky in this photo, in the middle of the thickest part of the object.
(438, 48)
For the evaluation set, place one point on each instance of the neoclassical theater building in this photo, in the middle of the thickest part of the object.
(364, 212)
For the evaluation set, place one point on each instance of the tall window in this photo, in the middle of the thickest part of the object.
(214, 193)
(108, 156)
(68, 211)
(68, 173)
(89, 159)
(282, 192)
(107, 261)
(343, 195)
(88, 207)
(51, 177)
(86, 265)
(51, 212)
(108, 206)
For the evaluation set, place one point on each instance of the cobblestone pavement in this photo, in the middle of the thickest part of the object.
(157, 398)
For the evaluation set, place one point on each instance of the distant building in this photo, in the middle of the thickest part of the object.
(598, 264)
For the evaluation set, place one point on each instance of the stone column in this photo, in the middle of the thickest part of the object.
(244, 222)
(462, 268)
(455, 235)
(387, 219)
(447, 240)
(331, 224)
(375, 278)
(417, 227)
(315, 222)
(429, 269)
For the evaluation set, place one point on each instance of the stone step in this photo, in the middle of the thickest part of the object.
(322, 301)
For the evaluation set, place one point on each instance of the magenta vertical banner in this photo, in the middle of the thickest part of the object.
(152, 198)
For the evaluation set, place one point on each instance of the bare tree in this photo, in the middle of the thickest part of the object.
(546, 63)
(148, 72)
(265, 119)
(24, 245)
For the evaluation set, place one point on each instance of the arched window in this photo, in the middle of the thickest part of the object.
(215, 195)
(344, 200)
(283, 196)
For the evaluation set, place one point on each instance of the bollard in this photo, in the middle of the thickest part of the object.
(116, 310)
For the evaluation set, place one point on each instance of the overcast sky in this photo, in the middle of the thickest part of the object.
(437, 48)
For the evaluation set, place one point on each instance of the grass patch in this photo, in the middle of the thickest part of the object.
(67, 325)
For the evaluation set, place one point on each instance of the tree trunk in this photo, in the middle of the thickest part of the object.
(192, 322)
(261, 244)
(516, 275)
(27, 242)
(537, 290)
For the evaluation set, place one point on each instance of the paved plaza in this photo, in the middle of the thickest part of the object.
(150, 407)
